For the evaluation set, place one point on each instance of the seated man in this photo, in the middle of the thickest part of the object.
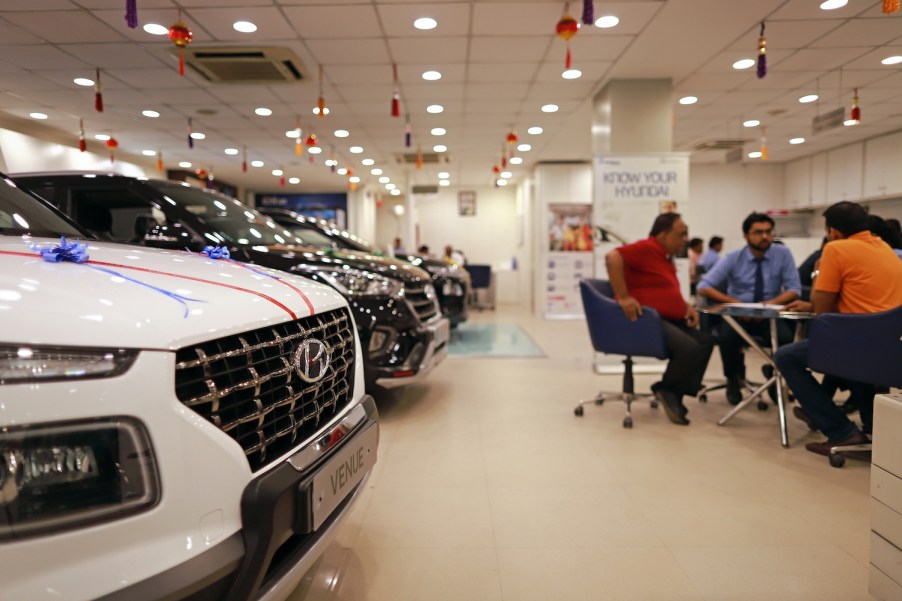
(712, 255)
(643, 273)
(761, 272)
(858, 273)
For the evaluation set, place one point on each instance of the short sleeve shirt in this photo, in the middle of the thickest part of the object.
(864, 271)
(651, 278)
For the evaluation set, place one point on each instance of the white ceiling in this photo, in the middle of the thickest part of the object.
(500, 62)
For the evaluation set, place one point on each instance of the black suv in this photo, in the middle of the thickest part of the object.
(402, 332)
(451, 282)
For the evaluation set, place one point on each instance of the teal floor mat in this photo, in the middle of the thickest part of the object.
(492, 340)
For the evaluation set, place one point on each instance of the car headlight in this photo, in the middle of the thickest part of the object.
(62, 475)
(360, 283)
(40, 364)
(452, 288)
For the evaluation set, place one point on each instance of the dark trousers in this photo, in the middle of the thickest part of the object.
(817, 400)
(689, 351)
(731, 343)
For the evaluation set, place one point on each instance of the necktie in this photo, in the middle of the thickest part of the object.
(759, 282)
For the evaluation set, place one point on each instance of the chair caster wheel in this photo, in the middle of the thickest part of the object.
(627, 422)
(653, 404)
(578, 411)
(703, 398)
(837, 460)
(763, 406)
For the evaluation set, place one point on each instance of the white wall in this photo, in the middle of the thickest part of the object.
(22, 153)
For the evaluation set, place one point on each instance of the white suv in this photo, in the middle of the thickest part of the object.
(172, 425)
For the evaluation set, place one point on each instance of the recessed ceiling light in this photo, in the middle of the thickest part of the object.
(572, 74)
(341, 133)
(892, 60)
(550, 108)
(849, 122)
(535, 130)
(397, 192)
(438, 131)
(435, 109)
(744, 63)
(524, 147)
(330, 162)
(833, 4)
(507, 174)
(149, 153)
(356, 149)
(444, 182)
(231, 151)
(277, 172)
(184, 164)
(444, 175)
(376, 171)
(808, 98)
(432, 75)
(263, 111)
(797, 140)
(342, 171)
(439, 148)
(37, 115)
(292, 133)
(354, 179)
(754, 154)
(294, 180)
(314, 150)
(367, 162)
(384, 179)
(150, 113)
(101, 137)
(198, 136)
(156, 29)
(607, 21)
(502, 182)
(751, 123)
(326, 110)
(83, 81)
(390, 186)
(688, 100)
(257, 163)
(425, 23)
(515, 160)
(244, 26)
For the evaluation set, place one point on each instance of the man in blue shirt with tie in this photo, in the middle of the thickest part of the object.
(762, 272)
(712, 255)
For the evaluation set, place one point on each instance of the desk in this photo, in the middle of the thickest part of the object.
(730, 313)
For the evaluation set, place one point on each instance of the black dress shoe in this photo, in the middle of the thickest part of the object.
(823, 448)
(673, 405)
(734, 391)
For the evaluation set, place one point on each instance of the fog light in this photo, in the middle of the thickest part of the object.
(452, 289)
(58, 476)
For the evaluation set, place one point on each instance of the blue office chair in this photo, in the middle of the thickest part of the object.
(863, 348)
(611, 332)
(481, 279)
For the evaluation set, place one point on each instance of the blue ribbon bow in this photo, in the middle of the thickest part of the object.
(216, 252)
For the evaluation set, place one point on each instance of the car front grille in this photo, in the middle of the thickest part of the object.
(422, 300)
(248, 387)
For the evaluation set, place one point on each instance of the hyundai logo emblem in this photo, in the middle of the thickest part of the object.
(311, 360)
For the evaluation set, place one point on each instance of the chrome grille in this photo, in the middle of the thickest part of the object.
(422, 299)
(247, 387)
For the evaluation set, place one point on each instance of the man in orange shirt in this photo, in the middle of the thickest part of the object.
(857, 273)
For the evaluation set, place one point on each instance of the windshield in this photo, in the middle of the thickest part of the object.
(22, 214)
(234, 221)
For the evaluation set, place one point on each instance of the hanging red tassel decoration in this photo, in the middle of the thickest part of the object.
(762, 53)
(244, 159)
(112, 144)
(190, 139)
(321, 101)
(131, 13)
(408, 134)
(588, 12)
(82, 145)
(396, 98)
(311, 140)
(855, 113)
(512, 138)
(181, 36)
(566, 28)
(282, 177)
(496, 169)
(160, 161)
(890, 6)
(98, 93)
(503, 157)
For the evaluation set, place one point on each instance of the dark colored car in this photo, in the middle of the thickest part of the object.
(451, 282)
(402, 332)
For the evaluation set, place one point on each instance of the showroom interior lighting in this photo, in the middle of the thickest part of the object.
(550, 108)
(744, 63)
(244, 26)
(515, 161)
(425, 23)
(607, 21)
(83, 81)
(435, 109)
(685, 100)
(263, 111)
(231, 151)
(572, 74)
(38, 116)
(356, 149)
(151, 114)
(444, 182)
(314, 150)
(535, 130)
(384, 179)
(257, 163)
(376, 171)
(808, 98)
(751, 123)
(432, 75)
(439, 148)
(797, 140)
(524, 147)
(156, 29)
(438, 131)
(367, 162)
(341, 133)
(149, 153)
(294, 180)
(185, 164)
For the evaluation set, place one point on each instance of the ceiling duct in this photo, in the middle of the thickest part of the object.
(718, 145)
(428, 158)
(424, 189)
(733, 155)
(246, 64)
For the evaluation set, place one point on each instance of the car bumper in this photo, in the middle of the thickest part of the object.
(433, 350)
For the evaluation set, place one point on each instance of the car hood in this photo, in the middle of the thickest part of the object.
(295, 258)
(130, 297)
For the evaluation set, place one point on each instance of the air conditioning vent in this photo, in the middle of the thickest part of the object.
(718, 145)
(425, 189)
(428, 157)
(734, 155)
(245, 65)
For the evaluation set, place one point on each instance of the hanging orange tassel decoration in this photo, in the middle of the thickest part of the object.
(890, 6)
(82, 145)
(762, 53)
(419, 159)
(855, 113)
(763, 145)
(98, 93)
(396, 97)
(321, 101)
(112, 144)
(334, 166)
(566, 28)
(244, 159)
(298, 141)
(160, 161)
(181, 36)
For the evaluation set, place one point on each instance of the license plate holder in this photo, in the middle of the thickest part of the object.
(337, 478)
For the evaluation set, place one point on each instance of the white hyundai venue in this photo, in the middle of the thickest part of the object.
(173, 425)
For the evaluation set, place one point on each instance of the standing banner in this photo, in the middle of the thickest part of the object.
(569, 258)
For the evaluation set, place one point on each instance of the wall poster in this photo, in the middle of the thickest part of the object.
(570, 259)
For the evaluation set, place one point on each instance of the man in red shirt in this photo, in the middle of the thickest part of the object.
(643, 273)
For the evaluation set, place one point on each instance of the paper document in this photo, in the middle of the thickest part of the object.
(755, 306)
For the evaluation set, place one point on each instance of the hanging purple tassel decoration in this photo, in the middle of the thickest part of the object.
(131, 13)
(588, 12)
(190, 139)
(762, 53)
(407, 134)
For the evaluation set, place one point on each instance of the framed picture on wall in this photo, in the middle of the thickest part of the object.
(466, 204)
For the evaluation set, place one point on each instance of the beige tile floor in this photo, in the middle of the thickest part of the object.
(488, 488)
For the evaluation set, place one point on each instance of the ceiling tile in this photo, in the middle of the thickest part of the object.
(484, 49)
(61, 27)
(349, 52)
(334, 21)
(452, 19)
(507, 19)
(435, 50)
(270, 22)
